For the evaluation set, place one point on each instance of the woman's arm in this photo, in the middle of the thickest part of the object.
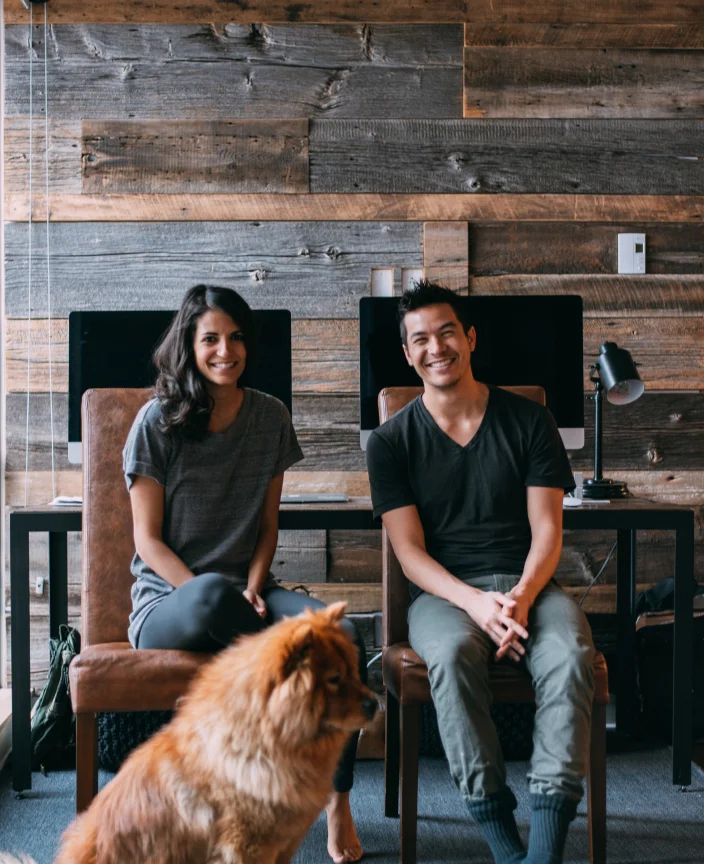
(147, 497)
(266, 541)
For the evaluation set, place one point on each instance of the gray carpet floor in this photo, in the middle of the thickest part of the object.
(649, 820)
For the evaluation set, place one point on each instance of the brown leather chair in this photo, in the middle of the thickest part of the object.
(108, 674)
(407, 688)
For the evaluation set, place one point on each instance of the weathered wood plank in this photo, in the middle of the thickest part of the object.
(416, 11)
(608, 296)
(651, 342)
(159, 156)
(344, 207)
(524, 82)
(352, 483)
(446, 254)
(510, 35)
(316, 270)
(663, 430)
(64, 156)
(325, 353)
(507, 156)
(222, 71)
(498, 249)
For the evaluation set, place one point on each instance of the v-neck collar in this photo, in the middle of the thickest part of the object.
(430, 420)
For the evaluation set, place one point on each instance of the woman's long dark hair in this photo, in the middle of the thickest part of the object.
(185, 402)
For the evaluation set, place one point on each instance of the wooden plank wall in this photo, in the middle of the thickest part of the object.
(287, 149)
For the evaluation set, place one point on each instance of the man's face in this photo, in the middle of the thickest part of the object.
(437, 346)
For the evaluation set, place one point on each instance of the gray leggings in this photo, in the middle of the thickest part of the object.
(208, 612)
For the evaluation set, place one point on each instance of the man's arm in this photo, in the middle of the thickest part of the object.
(490, 609)
(545, 517)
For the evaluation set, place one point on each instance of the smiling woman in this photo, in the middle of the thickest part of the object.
(204, 464)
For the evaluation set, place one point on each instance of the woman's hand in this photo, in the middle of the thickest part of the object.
(256, 600)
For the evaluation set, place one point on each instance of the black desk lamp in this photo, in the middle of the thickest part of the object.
(616, 374)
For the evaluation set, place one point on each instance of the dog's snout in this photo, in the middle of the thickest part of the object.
(369, 706)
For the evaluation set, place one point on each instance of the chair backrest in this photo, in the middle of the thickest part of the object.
(395, 596)
(108, 544)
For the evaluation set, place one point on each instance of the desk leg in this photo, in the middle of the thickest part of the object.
(625, 619)
(58, 581)
(19, 622)
(682, 657)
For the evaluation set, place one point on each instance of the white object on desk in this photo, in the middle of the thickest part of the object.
(66, 501)
(567, 501)
(315, 498)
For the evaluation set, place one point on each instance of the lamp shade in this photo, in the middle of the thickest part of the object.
(618, 374)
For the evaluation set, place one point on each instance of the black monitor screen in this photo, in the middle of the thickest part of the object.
(520, 340)
(114, 349)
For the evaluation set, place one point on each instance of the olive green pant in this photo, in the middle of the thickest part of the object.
(559, 657)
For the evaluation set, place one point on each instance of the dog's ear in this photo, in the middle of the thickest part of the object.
(298, 651)
(335, 612)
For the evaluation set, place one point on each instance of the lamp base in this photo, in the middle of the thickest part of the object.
(604, 489)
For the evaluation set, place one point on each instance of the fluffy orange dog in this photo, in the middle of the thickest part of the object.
(245, 766)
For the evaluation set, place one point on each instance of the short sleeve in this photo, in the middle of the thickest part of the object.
(147, 450)
(548, 464)
(388, 477)
(289, 449)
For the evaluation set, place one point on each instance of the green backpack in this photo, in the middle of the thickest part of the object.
(53, 723)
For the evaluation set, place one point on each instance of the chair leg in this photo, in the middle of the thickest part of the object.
(86, 760)
(410, 715)
(391, 756)
(596, 787)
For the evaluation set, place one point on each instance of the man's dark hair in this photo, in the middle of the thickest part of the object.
(427, 293)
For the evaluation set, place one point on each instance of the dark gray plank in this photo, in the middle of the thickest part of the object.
(500, 248)
(317, 270)
(221, 71)
(507, 156)
(524, 82)
(191, 156)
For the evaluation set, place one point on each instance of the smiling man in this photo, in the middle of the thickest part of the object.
(469, 481)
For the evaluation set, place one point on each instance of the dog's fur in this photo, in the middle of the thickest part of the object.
(246, 765)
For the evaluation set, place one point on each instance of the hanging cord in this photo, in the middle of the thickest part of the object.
(48, 255)
(29, 257)
(601, 570)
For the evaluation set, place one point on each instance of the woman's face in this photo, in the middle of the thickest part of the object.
(219, 349)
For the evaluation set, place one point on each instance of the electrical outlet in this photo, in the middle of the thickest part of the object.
(631, 253)
(39, 586)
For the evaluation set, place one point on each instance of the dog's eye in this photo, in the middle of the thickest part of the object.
(334, 680)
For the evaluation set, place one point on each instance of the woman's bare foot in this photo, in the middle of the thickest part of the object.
(343, 843)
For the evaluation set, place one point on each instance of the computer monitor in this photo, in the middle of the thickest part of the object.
(114, 349)
(520, 340)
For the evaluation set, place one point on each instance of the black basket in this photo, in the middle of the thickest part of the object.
(119, 733)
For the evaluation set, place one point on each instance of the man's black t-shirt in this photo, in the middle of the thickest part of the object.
(471, 500)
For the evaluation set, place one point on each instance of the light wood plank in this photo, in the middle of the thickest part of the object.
(446, 254)
(608, 296)
(182, 156)
(419, 207)
(605, 156)
(44, 343)
(64, 157)
(418, 11)
(314, 269)
(511, 35)
(617, 83)
(221, 71)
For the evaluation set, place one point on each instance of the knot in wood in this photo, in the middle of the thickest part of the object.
(258, 275)
(655, 455)
(676, 418)
(333, 253)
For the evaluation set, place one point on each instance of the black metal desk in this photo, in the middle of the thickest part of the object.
(626, 518)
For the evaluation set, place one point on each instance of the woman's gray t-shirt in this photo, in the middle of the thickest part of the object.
(214, 491)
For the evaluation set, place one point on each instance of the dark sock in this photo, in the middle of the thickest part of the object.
(494, 815)
(549, 822)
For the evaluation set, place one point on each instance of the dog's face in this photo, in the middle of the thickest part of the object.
(313, 680)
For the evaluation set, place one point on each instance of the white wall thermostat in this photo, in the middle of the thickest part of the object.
(631, 253)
